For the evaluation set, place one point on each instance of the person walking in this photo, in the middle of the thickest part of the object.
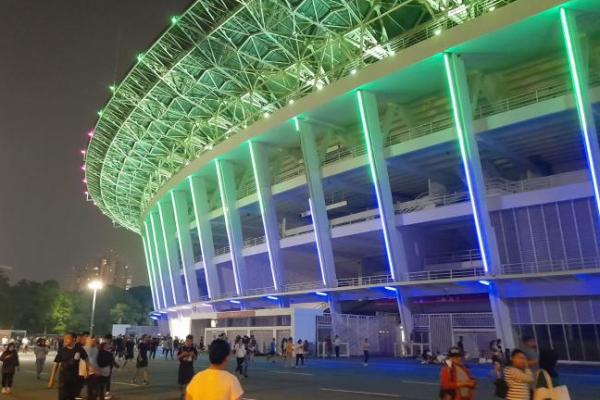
(365, 347)
(141, 363)
(518, 377)
(168, 344)
(66, 363)
(289, 353)
(299, 354)
(456, 381)
(306, 347)
(91, 379)
(337, 343)
(129, 350)
(215, 382)
(187, 355)
(272, 350)
(40, 351)
(283, 347)
(531, 352)
(546, 378)
(10, 364)
(240, 354)
(106, 362)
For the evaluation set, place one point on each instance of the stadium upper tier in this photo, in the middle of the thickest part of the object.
(223, 65)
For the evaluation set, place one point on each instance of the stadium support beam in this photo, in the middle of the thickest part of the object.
(469, 151)
(156, 277)
(161, 261)
(580, 78)
(316, 201)
(406, 318)
(233, 223)
(371, 127)
(262, 177)
(205, 235)
(463, 122)
(150, 267)
(167, 226)
(182, 223)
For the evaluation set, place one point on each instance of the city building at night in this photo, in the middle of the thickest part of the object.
(109, 268)
(407, 171)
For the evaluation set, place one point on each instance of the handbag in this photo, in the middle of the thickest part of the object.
(550, 392)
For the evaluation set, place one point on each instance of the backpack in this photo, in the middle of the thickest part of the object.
(104, 359)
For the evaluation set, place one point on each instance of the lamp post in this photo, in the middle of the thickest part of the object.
(95, 285)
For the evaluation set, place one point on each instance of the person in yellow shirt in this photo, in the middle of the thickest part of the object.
(289, 353)
(215, 383)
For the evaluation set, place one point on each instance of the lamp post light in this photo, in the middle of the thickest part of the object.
(95, 285)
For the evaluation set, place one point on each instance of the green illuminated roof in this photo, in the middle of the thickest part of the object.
(223, 64)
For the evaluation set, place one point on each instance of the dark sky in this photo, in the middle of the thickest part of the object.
(57, 59)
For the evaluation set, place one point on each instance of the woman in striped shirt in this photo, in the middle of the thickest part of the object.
(518, 377)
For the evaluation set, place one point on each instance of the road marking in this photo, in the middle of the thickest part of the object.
(127, 384)
(397, 396)
(292, 373)
(421, 383)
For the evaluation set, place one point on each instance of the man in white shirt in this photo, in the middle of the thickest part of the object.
(215, 383)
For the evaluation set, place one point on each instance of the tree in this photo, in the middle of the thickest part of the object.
(62, 311)
(123, 313)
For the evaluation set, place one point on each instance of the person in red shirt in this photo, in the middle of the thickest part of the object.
(456, 381)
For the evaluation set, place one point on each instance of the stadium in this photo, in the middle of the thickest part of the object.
(410, 171)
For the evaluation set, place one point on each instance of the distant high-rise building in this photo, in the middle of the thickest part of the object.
(109, 268)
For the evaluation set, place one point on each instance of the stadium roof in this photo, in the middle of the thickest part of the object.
(225, 64)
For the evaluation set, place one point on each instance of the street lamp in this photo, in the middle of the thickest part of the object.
(95, 285)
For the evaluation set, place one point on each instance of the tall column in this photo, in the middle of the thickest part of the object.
(469, 151)
(262, 177)
(161, 257)
(406, 319)
(394, 245)
(580, 78)
(151, 279)
(205, 235)
(233, 223)
(167, 224)
(152, 252)
(182, 223)
(316, 201)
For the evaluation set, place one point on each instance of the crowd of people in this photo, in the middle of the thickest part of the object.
(521, 374)
(85, 364)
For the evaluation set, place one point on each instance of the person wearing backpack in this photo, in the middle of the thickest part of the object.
(456, 381)
(106, 361)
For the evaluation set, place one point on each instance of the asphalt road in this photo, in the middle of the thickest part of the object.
(345, 379)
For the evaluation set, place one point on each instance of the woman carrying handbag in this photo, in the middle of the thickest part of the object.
(547, 384)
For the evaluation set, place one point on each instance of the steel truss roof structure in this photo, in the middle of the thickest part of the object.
(224, 64)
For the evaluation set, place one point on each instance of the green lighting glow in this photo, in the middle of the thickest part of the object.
(127, 164)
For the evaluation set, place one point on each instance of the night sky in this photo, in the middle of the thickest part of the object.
(57, 59)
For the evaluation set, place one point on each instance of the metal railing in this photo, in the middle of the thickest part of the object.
(454, 273)
(298, 286)
(365, 280)
(545, 266)
(454, 257)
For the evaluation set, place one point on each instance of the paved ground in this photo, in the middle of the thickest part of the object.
(320, 379)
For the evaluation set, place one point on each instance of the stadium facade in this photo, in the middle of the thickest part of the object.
(432, 163)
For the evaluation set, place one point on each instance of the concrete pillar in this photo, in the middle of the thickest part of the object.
(161, 260)
(205, 235)
(182, 223)
(151, 278)
(580, 77)
(371, 127)
(167, 225)
(406, 319)
(316, 201)
(502, 320)
(469, 151)
(262, 177)
(233, 224)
